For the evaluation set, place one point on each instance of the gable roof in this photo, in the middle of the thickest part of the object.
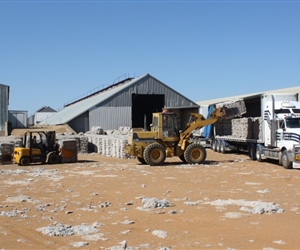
(45, 109)
(74, 109)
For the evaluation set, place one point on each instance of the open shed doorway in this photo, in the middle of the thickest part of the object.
(142, 108)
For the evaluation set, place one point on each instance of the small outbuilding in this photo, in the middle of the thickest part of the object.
(128, 103)
(40, 115)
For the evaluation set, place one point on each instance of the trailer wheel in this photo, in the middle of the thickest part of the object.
(252, 152)
(141, 160)
(25, 161)
(53, 158)
(214, 145)
(195, 154)
(286, 163)
(154, 154)
(222, 147)
(219, 146)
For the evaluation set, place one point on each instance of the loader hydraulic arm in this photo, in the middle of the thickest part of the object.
(198, 121)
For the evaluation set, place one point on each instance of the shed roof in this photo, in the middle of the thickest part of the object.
(224, 99)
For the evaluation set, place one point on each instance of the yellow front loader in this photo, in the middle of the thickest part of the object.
(166, 140)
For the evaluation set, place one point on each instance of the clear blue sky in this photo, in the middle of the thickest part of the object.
(54, 51)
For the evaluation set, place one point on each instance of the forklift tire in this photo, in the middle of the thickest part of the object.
(154, 154)
(25, 161)
(195, 154)
(141, 160)
(53, 158)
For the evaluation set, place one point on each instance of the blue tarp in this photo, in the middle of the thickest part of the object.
(207, 131)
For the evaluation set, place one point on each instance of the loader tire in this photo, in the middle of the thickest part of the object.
(154, 154)
(195, 154)
(141, 160)
(181, 157)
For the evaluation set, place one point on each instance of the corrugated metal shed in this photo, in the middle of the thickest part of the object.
(112, 107)
(4, 102)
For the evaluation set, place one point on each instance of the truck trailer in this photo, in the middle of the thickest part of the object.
(268, 129)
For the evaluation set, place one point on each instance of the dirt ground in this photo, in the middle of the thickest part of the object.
(230, 202)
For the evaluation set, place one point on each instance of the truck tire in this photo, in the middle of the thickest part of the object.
(252, 152)
(286, 163)
(154, 154)
(141, 160)
(53, 158)
(195, 154)
(25, 161)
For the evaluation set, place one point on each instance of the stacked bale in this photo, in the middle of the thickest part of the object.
(247, 128)
(6, 152)
(82, 141)
(109, 143)
(16, 140)
(69, 150)
(235, 108)
(242, 128)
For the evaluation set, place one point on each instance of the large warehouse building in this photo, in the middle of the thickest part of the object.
(129, 103)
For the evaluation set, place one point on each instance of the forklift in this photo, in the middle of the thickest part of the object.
(39, 146)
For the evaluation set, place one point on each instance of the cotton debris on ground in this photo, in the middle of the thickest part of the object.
(155, 203)
(255, 207)
(61, 229)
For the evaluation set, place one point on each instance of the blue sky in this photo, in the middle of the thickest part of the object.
(55, 51)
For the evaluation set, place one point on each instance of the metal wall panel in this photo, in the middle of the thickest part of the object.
(18, 119)
(110, 117)
(80, 123)
(4, 101)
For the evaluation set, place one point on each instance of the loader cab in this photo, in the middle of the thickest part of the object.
(165, 124)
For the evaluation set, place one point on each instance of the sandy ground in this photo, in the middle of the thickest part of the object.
(230, 202)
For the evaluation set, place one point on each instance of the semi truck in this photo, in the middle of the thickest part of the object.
(269, 128)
